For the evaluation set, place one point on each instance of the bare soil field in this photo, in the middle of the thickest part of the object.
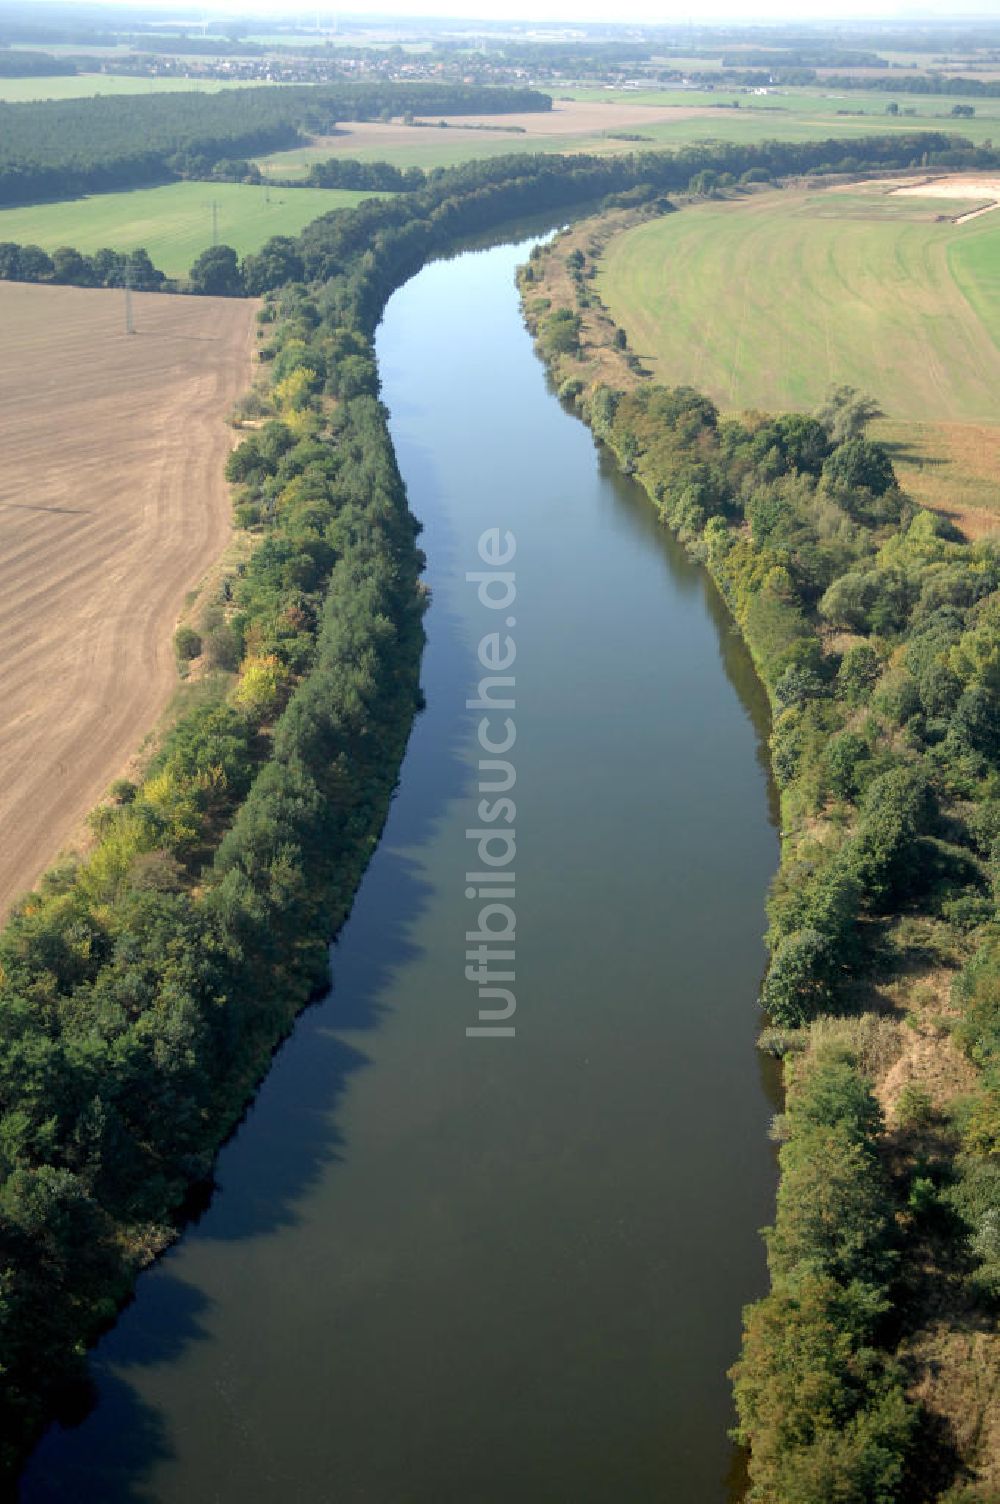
(579, 117)
(568, 117)
(112, 504)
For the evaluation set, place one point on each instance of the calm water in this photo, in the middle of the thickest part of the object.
(441, 1270)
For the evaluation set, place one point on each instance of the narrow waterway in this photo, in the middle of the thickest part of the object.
(451, 1270)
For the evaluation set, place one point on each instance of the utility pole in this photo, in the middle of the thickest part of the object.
(129, 320)
(215, 222)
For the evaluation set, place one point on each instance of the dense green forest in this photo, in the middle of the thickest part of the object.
(33, 65)
(58, 148)
(143, 989)
(876, 630)
(373, 177)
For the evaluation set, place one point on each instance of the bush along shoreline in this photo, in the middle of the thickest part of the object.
(144, 988)
(871, 1371)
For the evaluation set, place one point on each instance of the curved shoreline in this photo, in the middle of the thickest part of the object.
(886, 1027)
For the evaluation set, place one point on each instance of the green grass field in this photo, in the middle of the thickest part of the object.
(174, 223)
(768, 301)
(797, 115)
(84, 85)
(809, 113)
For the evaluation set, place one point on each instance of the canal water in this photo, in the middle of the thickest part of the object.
(443, 1269)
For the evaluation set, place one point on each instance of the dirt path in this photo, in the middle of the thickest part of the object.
(112, 504)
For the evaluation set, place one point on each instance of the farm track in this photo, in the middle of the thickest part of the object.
(112, 504)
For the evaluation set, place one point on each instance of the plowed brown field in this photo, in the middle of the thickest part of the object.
(112, 504)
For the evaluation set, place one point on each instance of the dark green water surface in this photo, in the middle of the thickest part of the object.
(442, 1270)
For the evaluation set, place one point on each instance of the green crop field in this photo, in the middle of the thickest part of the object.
(766, 302)
(84, 85)
(174, 223)
(700, 116)
(807, 114)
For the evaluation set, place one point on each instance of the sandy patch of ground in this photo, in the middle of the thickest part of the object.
(958, 187)
(112, 504)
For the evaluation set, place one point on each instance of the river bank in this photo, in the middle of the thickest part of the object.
(883, 970)
(422, 1222)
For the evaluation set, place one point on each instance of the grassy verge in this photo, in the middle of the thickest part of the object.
(872, 1369)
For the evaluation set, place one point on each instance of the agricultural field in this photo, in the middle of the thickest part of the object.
(112, 505)
(86, 85)
(767, 301)
(805, 114)
(571, 125)
(173, 223)
(594, 120)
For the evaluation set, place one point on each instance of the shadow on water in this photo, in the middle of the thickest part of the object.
(126, 1436)
(688, 576)
(293, 1132)
(289, 1133)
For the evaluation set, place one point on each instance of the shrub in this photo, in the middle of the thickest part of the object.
(897, 697)
(858, 464)
(223, 646)
(264, 681)
(187, 644)
(561, 333)
(250, 406)
(860, 670)
(897, 810)
(798, 982)
(913, 1107)
(796, 686)
(844, 755)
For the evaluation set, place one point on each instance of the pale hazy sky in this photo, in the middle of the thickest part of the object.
(649, 11)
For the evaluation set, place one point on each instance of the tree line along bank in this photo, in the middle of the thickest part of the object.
(143, 988)
(876, 630)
